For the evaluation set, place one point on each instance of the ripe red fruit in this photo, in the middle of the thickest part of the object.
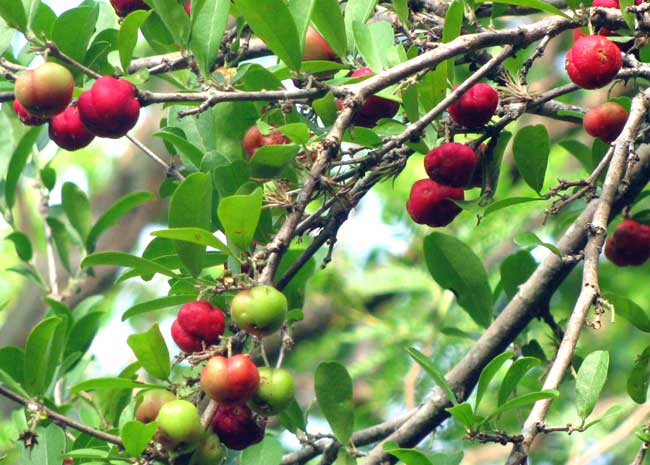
(198, 322)
(124, 7)
(68, 132)
(611, 3)
(188, 7)
(430, 203)
(254, 139)
(451, 164)
(475, 107)
(593, 61)
(27, 118)
(606, 121)
(236, 426)
(46, 90)
(629, 245)
(316, 48)
(109, 108)
(233, 379)
(373, 108)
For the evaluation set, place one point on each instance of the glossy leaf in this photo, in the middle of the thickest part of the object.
(209, 19)
(125, 259)
(22, 245)
(528, 238)
(18, 162)
(464, 415)
(629, 310)
(194, 236)
(433, 371)
(151, 351)
(524, 400)
(43, 351)
(590, 381)
(174, 18)
(536, 4)
(373, 40)
(77, 208)
(334, 394)
(239, 215)
(128, 35)
(111, 383)
(136, 436)
(514, 374)
(531, 148)
(488, 373)
(639, 377)
(515, 270)
(62, 241)
(157, 304)
(266, 452)
(328, 19)
(357, 11)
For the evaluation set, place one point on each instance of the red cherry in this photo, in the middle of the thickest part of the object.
(231, 380)
(236, 426)
(316, 48)
(27, 118)
(430, 203)
(451, 164)
(254, 139)
(187, 342)
(124, 7)
(373, 108)
(202, 319)
(109, 108)
(606, 121)
(475, 107)
(68, 131)
(629, 245)
(593, 61)
(188, 7)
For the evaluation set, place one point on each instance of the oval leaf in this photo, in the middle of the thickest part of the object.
(151, 351)
(531, 148)
(334, 394)
(590, 381)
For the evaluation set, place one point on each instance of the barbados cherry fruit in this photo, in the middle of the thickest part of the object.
(475, 107)
(124, 7)
(431, 203)
(149, 403)
(210, 451)
(316, 48)
(179, 424)
(68, 132)
(46, 90)
(593, 61)
(254, 139)
(27, 118)
(109, 108)
(373, 108)
(236, 426)
(230, 380)
(260, 310)
(451, 164)
(198, 322)
(629, 245)
(606, 121)
(275, 393)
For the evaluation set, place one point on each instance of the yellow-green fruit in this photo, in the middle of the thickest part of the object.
(210, 451)
(149, 403)
(260, 310)
(46, 90)
(179, 425)
(275, 393)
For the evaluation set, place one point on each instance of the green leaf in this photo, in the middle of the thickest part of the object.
(464, 415)
(82, 333)
(264, 453)
(580, 151)
(194, 236)
(292, 418)
(488, 373)
(499, 204)
(31, 273)
(49, 449)
(357, 11)
(301, 13)
(191, 206)
(151, 350)
(22, 244)
(43, 351)
(62, 241)
(73, 30)
(328, 19)
(536, 4)
(401, 7)
(514, 374)
(433, 371)
(48, 177)
(174, 17)
(639, 377)
(127, 260)
(373, 40)
(12, 362)
(270, 160)
(77, 208)
(239, 215)
(523, 400)
(455, 267)
(111, 383)
(18, 162)
(209, 20)
(590, 381)
(14, 14)
(157, 304)
(531, 148)
(527, 238)
(136, 436)
(189, 152)
(271, 20)
(113, 214)
(334, 394)
(409, 456)
(628, 16)
(128, 35)
(515, 270)
(630, 311)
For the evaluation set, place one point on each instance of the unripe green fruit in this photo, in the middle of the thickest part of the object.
(148, 405)
(260, 310)
(275, 393)
(210, 451)
(179, 424)
(46, 90)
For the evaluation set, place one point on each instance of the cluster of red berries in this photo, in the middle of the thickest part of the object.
(629, 245)
(109, 109)
(452, 167)
(236, 383)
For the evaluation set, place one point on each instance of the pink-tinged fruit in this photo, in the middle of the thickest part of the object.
(46, 90)
(316, 48)
(254, 139)
(451, 164)
(431, 203)
(230, 380)
(110, 108)
(27, 118)
(606, 121)
(68, 131)
(475, 107)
